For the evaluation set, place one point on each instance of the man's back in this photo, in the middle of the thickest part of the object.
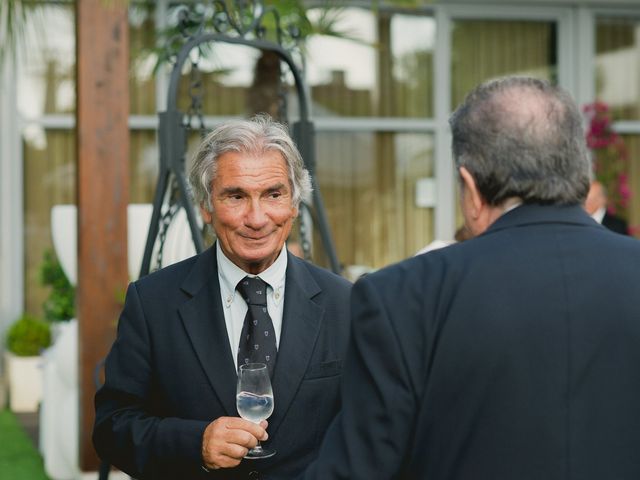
(501, 359)
(532, 373)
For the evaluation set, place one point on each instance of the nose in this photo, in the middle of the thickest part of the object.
(256, 217)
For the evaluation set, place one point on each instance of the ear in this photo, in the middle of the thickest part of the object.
(476, 201)
(207, 216)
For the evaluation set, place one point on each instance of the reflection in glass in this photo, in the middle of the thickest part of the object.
(632, 143)
(483, 49)
(46, 74)
(49, 179)
(383, 69)
(617, 68)
(235, 80)
(143, 166)
(142, 60)
(368, 184)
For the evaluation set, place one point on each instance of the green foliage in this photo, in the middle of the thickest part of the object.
(28, 336)
(12, 27)
(60, 304)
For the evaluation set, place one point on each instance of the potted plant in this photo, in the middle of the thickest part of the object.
(60, 304)
(26, 339)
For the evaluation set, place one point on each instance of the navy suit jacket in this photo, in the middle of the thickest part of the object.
(170, 372)
(511, 356)
(615, 223)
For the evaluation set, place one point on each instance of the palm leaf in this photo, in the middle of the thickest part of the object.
(13, 21)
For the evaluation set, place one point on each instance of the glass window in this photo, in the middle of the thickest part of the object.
(484, 49)
(369, 185)
(232, 80)
(617, 68)
(382, 67)
(49, 179)
(46, 78)
(142, 60)
(144, 163)
(632, 143)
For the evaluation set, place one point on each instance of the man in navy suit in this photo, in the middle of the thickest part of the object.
(596, 206)
(512, 355)
(168, 405)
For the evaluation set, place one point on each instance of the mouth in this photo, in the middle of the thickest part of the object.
(254, 237)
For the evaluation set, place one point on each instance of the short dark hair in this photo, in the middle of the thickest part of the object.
(522, 137)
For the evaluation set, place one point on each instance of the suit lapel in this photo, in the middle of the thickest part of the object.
(203, 319)
(301, 323)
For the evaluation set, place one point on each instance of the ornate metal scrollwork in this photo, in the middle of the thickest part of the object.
(249, 19)
(196, 26)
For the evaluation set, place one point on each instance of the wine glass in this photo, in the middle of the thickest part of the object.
(254, 400)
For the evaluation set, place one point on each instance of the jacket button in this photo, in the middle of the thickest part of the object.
(254, 475)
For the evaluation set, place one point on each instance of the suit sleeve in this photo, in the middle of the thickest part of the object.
(370, 436)
(126, 431)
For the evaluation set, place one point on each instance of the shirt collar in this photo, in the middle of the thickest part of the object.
(598, 215)
(230, 274)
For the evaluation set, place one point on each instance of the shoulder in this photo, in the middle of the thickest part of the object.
(169, 274)
(191, 274)
(326, 279)
(615, 223)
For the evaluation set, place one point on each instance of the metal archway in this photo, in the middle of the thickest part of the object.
(172, 131)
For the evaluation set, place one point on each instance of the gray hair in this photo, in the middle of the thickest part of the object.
(255, 136)
(522, 137)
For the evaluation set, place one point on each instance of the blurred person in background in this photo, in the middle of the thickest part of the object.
(596, 206)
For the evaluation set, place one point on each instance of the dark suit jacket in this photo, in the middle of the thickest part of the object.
(511, 356)
(615, 223)
(170, 372)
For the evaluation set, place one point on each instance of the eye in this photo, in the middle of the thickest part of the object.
(275, 194)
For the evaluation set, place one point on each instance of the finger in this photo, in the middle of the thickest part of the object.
(225, 461)
(257, 430)
(240, 437)
(231, 451)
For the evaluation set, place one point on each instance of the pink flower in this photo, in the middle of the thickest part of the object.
(610, 155)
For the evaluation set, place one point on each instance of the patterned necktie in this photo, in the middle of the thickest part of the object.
(258, 339)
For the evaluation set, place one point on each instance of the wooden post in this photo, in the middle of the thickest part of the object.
(102, 51)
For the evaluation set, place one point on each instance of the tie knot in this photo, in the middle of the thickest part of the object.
(253, 290)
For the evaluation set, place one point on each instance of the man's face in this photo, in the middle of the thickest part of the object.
(252, 208)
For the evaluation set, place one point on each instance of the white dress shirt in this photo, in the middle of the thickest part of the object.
(598, 215)
(234, 306)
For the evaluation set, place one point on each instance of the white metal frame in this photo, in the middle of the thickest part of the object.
(11, 205)
(568, 43)
(626, 126)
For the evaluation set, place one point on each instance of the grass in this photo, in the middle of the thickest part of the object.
(19, 459)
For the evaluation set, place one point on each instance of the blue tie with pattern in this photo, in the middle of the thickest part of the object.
(257, 340)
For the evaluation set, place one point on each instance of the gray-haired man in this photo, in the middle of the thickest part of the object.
(168, 406)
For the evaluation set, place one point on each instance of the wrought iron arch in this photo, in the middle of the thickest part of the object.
(172, 136)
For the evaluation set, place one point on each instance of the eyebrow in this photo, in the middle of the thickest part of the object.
(237, 190)
(277, 186)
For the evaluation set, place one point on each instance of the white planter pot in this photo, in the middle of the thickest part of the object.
(25, 382)
(59, 409)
